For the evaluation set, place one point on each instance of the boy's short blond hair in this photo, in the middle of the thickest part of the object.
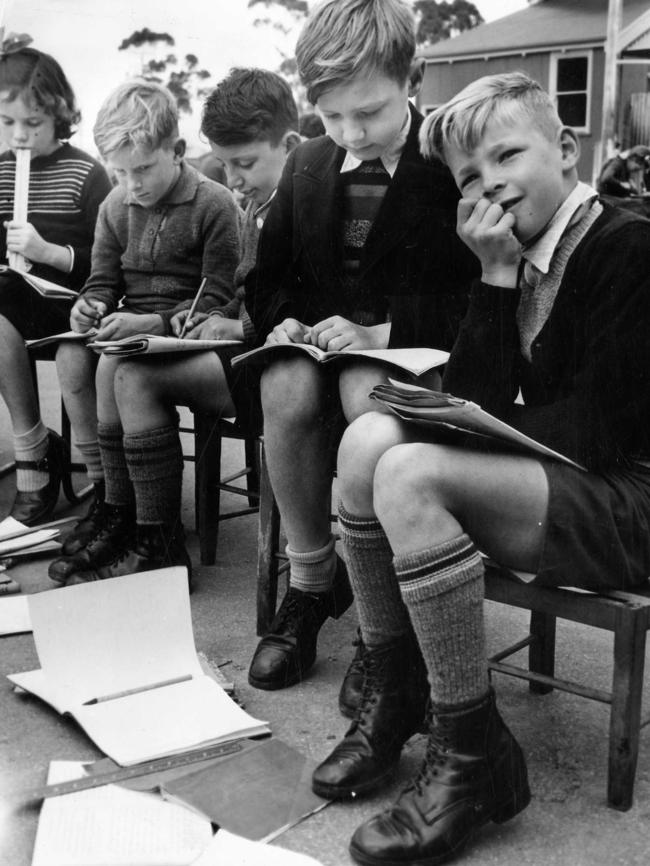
(138, 113)
(461, 122)
(344, 39)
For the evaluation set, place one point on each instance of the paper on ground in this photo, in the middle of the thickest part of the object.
(14, 615)
(133, 632)
(29, 540)
(112, 826)
(226, 849)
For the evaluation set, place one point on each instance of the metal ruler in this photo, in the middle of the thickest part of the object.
(121, 774)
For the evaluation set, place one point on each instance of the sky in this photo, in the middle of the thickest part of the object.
(83, 35)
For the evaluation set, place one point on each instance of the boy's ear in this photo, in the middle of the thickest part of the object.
(416, 75)
(179, 149)
(290, 140)
(570, 145)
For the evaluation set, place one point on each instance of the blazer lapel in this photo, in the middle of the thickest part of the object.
(318, 208)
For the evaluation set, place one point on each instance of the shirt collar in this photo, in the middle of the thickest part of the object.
(572, 209)
(182, 191)
(390, 157)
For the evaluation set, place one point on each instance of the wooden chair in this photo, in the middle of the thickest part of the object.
(208, 433)
(625, 614)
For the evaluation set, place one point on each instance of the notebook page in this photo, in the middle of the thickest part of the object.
(109, 636)
(112, 826)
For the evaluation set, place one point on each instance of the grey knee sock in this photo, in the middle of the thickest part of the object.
(369, 559)
(443, 589)
(118, 487)
(155, 465)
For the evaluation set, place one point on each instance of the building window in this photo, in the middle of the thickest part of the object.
(570, 86)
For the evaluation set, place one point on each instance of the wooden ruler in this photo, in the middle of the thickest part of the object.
(121, 774)
(21, 195)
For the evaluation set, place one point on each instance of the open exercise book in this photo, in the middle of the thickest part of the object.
(43, 287)
(416, 361)
(433, 408)
(119, 657)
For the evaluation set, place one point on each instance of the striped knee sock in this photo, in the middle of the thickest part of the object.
(369, 559)
(443, 590)
(119, 490)
(155, 466)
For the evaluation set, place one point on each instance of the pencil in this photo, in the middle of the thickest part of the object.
(197, 298)
(139, 690)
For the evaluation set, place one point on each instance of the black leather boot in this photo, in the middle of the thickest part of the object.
(116, 530)
(156, 546)
(352, 685)
(285, 655)
(391, 710)
(473, 772)
(34, 507)
(89, 525)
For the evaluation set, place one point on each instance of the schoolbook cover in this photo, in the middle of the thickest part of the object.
(257, 793)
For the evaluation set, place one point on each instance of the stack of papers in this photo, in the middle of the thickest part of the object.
(119, 656)
(16, 539)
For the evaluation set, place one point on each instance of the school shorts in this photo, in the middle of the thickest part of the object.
(598, 528)
(32, 315)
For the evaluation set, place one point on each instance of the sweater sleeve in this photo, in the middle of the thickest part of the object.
(106, 280)
(220, 231)
(95, 189)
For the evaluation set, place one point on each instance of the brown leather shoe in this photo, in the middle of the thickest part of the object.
(391, 710)
(287, 652)
(88, 526)
(115, 531)
(36, 506)
(473, 772)
(156, 546)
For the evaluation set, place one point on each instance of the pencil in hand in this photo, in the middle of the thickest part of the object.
(196, 300)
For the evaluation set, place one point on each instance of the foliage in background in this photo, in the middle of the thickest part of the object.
(184, 82)
(435, 21)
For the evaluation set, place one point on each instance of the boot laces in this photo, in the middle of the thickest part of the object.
(436, 755)
(295, 607)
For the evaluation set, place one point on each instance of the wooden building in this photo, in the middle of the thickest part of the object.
(560, 43)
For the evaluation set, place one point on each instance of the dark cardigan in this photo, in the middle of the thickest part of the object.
(412, 262)
(587, 390)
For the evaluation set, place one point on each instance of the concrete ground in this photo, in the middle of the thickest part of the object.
(564, 737)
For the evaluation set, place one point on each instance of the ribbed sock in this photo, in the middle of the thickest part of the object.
(91, 456)
(155, 465)
(443, 589)
(32, 446)
(313, 570)
(119, 490)
(369, 560)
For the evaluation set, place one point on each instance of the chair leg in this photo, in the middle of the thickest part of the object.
(541, 653)
(267, 546)
(625, 716)
(207, 467)
(252, 456)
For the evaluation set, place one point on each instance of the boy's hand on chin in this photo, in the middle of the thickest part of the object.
(288, 331)
(488, 232)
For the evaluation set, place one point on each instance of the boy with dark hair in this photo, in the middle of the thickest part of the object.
(358, 251)
(250, 119)
(560, 312)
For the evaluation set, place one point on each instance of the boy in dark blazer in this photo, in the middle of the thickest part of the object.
(359, 250)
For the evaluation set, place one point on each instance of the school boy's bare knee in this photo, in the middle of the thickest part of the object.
(75, 367)
(410, 478)
(293, 394)
(362, 445)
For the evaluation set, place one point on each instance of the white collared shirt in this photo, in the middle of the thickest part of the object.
(390, 157)
(540, 253)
